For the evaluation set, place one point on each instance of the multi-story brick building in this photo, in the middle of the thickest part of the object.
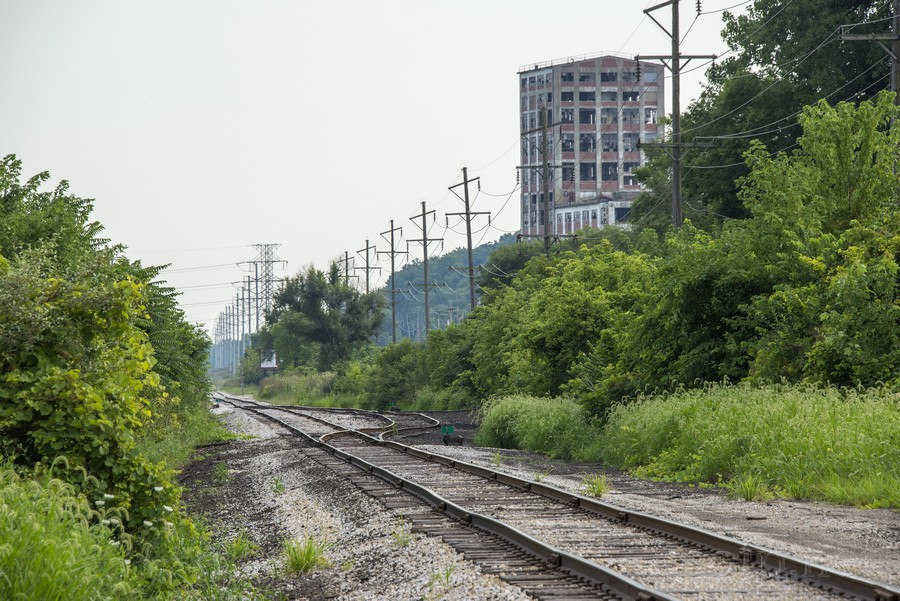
(598, 109)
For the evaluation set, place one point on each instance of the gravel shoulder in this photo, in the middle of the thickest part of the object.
(274, 493)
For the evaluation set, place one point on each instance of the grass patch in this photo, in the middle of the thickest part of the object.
(828, 444)
(240, 547)
(558, 427)
(305, 555)
(595, 485)
(402, 535)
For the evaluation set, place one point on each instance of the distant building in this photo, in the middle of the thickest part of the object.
(603, 109)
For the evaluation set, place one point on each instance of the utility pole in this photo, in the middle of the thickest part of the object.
(425, 240)
(893, 51)
(468, 215)
(249, 314)
(675, 66)
(545, 179)
(367, 269)
(393, 254)
(347, 275)
(265, 262)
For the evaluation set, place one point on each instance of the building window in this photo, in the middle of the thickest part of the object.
(586, 116)
(524, 103)
(630, 96)
(608, 96)
(524, 219)
(622, 214)
(568, 217)
(567, 77)
(587, 77)
(567, 116)
(584, 215)
(630, 142)
(531, 81)
(587, 143)
(594, 214)
(630, 167)
(568, 172)
(651, 76)
(608, 116)
(629, 76)
(568, 143)
(587, 96)
(631, 116)
(609, 142)
(629, 180)
(649, 116)
(549, 117)
(650, 136)
(588, 172)
(540, 80)
(568, 96)
(610, 172)
(608, 76)
(524, 82)
(549, 96)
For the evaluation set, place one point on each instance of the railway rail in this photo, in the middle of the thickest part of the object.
(550, 542)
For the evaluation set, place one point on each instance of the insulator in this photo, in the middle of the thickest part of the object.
(698, 7)
(517, 177)
(638, 70)
(479, 184)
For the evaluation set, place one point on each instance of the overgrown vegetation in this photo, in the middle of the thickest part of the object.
(103, 391)
(302, 556)
(803, 291)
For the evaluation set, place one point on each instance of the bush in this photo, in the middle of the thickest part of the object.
(559, 427)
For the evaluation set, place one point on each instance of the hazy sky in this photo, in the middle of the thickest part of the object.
(202, 127)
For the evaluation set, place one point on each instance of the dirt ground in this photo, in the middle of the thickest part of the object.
(265, 488)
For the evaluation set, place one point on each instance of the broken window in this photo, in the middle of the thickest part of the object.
(630, 96)
(608, 76)
(608, 116)
(567, 116)
(587, 96)
(588, 172)
(568, 143)
(630, 167)
(594, 214)
(586, 116)
(631, 116)
(629, 76)
(587, 143)
(567, 76)
(587, 77)
(622, 213)
(630, 142)
(608, 96)
(610, 143)
(610, 172)
(649, 116)
(568, 96)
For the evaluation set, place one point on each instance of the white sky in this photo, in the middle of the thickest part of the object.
(201, 127)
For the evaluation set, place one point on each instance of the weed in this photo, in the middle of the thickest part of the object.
(277, 485)
(401, 533)
(539, 477)
(749, 487)
(497, 459)
(348, 566)
(220, 474)
(595, 485)
(305, 555)
(441, 582)
(241, 547)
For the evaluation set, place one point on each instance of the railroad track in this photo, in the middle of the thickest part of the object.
(552, 543)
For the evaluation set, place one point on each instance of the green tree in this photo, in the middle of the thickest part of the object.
(317, 320)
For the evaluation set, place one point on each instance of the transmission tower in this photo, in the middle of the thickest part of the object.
(265, 261)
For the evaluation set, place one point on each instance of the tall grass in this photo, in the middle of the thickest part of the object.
(803, 442)
(557, 427)
(800, 442)
(51, 548)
